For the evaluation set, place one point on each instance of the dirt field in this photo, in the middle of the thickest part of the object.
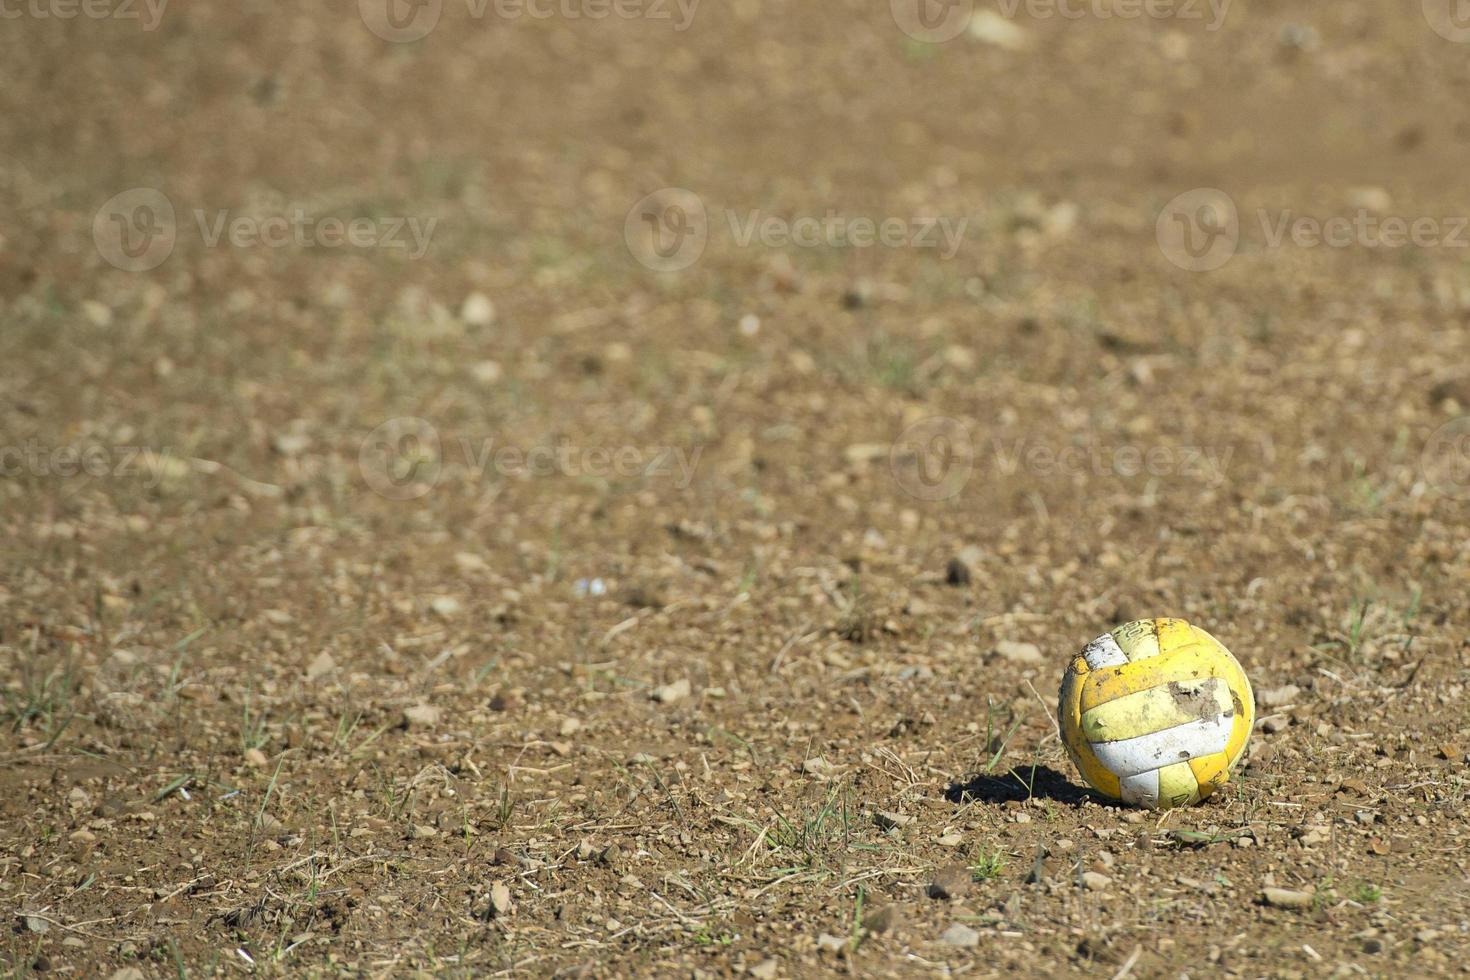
(488, 493)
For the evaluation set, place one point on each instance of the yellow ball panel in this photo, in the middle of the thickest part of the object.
(1163, 729)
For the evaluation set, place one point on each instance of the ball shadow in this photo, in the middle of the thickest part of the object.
(1020, 784)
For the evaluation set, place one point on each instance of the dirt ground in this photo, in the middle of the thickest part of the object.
(488, 493)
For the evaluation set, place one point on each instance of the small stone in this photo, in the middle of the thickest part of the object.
(885, 918)
(891, 820)
(446, 606)
(291, 443)
(1023, 817)
(992, 28)
(951, 840)
(585, 851)
(504, 858)
(83, 836)
(1286, 898)
(1096, 881)
(1278, 697)
(764, 970)
(960, 935)
(1020, 653)
(499, 899)
(423, 832)
(421, 716)
(128, 973)
(828, 943)
(950, 882)
(321, 665)
(819, 767)
(610, 854)
(570, 727)
(256, 758)
(1272, 724)
(669, 693)
(964, 567)
(99, 314)
(487, 372)
(478, 310)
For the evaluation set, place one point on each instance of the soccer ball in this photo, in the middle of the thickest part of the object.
(1156, 713)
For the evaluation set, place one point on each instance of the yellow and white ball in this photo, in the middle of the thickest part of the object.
(1156, 713)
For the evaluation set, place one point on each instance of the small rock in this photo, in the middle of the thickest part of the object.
(421, 716)
(669, 693)
(499, 899)
(950, 882)
(569, 727)
(960, 935)
(478, 310)
(1286, 898)
(819, 767)
(764, 970)
(256, 758)
(1095, 881)
(885, 918)
(951, 840)
(1278, 697)
(1020, 653)
(891, 820)
(992, 28)
(964, 567)
(610, 854)
(446, 606)
(99, 314)
(504, 858)
(321, 665)
(1272, 724)
(828, 943)
(423, 832)
(487, 372)
(128, 973)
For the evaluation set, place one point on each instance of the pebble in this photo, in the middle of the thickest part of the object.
(669, 693)
(885, 918)
(478, 310)
(1095, 881)
(421, 716)
(1020, 653)
(960, 935)
(1286, 898)
(500, 899)
(764, 970)
(1278, 697)
(950, 882)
